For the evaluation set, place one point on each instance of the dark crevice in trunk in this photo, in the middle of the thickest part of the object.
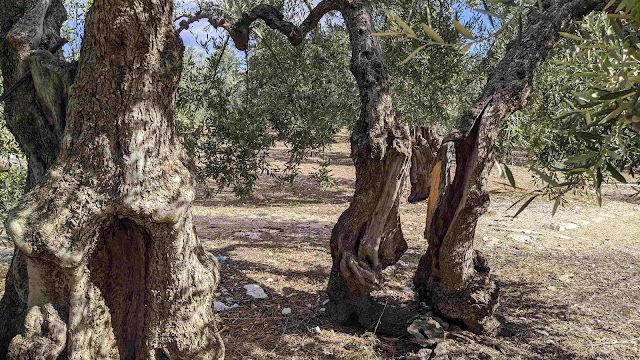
(119, 269)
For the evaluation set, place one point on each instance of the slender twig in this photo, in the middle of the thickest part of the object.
(380, 318)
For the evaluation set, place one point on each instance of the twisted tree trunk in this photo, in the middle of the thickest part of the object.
(114, 266)
(36, 117)
(368, 238)
(451, 275)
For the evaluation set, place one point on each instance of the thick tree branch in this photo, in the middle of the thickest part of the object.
(240, 31)
(513, 75)
(27, 76)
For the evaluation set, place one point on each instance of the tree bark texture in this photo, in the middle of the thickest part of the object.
(367, 237)
(36, 117)
(115, 269)
(426, 152)
(451, 275)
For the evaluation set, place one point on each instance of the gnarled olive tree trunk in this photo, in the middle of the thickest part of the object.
(451, 275)
(115, 269)
(36, 118)
(427, 151)
(367, 238)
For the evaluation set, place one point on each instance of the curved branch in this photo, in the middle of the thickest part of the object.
(240, 31)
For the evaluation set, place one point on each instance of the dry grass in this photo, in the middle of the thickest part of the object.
(580, 286)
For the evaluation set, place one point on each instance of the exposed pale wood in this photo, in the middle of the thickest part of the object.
(367, 237)
(451, 275)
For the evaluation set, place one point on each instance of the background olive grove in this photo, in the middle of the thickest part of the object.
(233, 106)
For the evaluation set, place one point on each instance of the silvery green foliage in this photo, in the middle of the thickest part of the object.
(234, 106)
(440, 82)
(578, 127)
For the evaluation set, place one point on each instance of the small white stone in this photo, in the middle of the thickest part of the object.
(220, 306)
(542, 332)
(521, 238)
(255, 291)
(323, 309)
(286, 311)
(270, 280)
(250, 235)
(317, 330)
(551, 342)
(564, 226)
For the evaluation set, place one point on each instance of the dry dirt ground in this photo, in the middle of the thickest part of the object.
(572, 294)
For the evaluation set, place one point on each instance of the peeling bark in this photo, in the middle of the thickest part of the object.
(110, 249)
(451, 275)
(368, 238)
(426, 152)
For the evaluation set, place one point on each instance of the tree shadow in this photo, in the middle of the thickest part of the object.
(625, 193)
(527, 318)
(258, 329)
(269, 192)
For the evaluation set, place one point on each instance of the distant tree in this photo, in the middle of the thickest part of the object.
(12, 176)
(300, 95)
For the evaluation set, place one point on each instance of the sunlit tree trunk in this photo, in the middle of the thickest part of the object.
(451, 275)
(36, 118)
(368, 238)
(114, 266)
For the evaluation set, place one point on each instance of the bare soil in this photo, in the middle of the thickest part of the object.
(572, 294)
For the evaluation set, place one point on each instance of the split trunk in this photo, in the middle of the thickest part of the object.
(451, 275)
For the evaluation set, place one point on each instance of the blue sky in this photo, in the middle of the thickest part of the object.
(201, 29)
